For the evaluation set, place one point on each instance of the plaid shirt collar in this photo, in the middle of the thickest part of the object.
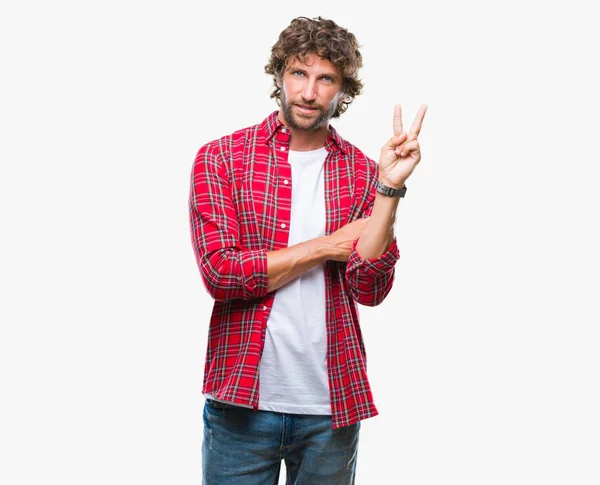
(272, 124)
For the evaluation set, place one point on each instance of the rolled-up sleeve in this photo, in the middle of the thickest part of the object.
(228, 270)
(370, 280)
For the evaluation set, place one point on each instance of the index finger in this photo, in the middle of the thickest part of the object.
(418, 123)
(398, 130)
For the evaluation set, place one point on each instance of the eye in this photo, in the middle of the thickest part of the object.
(327, 79)
(297, 73)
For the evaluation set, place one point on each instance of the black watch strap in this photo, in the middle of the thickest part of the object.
(389, 191)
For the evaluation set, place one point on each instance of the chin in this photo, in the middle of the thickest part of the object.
(308, 125)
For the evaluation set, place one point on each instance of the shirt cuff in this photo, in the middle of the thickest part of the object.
(254, 271)
(379, 265)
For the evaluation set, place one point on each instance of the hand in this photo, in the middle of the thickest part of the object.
(400, 155)
(341, 240)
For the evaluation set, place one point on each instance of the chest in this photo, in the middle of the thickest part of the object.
(263, 185)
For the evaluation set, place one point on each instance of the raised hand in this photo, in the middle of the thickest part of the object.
(400, 155)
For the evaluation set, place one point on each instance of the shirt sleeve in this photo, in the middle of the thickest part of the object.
(228, 270)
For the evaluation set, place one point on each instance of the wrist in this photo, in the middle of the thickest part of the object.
(391, 190)
(384, 208)
(393, 185)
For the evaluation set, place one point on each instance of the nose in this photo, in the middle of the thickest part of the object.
(309, 93)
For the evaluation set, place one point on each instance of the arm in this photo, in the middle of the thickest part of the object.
(370, 269)
(286, 264)
(370, 280)
(228, 270)
(379, 231)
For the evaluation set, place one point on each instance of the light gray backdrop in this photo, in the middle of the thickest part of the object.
(484, 358)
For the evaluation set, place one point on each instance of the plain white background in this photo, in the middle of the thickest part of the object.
(483, 360)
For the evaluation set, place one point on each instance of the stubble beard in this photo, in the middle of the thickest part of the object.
(322, 119)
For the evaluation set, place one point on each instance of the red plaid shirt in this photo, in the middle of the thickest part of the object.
(240, 205)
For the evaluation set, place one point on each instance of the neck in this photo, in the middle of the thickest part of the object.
(302, 140)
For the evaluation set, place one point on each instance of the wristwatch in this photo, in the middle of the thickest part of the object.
(389, 191)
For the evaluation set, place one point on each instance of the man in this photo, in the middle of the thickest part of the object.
(292, 227)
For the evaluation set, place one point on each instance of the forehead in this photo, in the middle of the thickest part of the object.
(313, 63)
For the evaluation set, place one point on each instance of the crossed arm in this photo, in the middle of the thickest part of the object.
(230, 271)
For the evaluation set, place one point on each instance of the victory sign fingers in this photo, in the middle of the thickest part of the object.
(415, 128)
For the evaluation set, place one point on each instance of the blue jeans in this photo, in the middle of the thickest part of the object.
(245, 447)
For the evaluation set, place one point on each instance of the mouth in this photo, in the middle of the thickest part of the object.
(306, 109)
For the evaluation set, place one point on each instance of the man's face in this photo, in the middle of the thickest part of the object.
(310, 92)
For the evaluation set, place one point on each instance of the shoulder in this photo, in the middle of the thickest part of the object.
(364, 166)
(226, 145)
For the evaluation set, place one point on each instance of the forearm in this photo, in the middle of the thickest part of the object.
(286, 264)
(232, 274)
(370, 269)
(379, 231)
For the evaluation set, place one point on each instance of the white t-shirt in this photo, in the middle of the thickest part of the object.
(293, 369)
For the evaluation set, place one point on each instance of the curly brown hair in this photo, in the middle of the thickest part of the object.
(326, 39)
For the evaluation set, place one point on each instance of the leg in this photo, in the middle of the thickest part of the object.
(240, 446)
(318, 454)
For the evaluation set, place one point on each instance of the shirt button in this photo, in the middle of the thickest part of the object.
(265, 308)
(283, 225)
(283, 149)
(284, 130)
(286, 181)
